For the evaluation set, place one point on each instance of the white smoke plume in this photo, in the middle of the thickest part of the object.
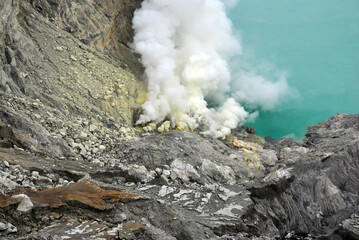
(230, 3)
(185, 46)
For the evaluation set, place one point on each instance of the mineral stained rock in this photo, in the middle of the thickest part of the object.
(73, 166)
(81, 193)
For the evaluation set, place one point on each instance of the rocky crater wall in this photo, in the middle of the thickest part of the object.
(73, 166)
(65, 61)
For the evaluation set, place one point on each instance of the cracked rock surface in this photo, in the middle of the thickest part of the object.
(163, 193)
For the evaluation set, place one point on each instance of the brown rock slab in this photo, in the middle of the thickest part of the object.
(135, 227)
(5, 132)
(82, 193)
(6, 201)
(10, 136)
(6, 135)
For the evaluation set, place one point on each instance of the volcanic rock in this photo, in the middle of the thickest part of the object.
(74, 166)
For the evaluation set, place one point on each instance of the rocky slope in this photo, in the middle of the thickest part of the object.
(56, 75)
(72, 166)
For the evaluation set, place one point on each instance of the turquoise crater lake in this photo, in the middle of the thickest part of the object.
(316, 43)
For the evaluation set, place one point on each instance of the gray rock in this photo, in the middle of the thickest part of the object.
(7, 183)
(11, 228)
(92, 128)
(294, 154)
(63, 132)
(6, 163)
(25, 203)
(59, 48)
(35, 174)
(222, 174)
(350, 227)
(140, 172)
(83, 135)
(3, 226)
(319, 191)
(95, 150)
(83, 153)
(269, 157)
(183, 171)
(158, 171)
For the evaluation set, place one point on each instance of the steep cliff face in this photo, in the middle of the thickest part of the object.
(105, 25)
(67, 60)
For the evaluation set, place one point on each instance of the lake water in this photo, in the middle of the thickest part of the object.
(316, 42)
